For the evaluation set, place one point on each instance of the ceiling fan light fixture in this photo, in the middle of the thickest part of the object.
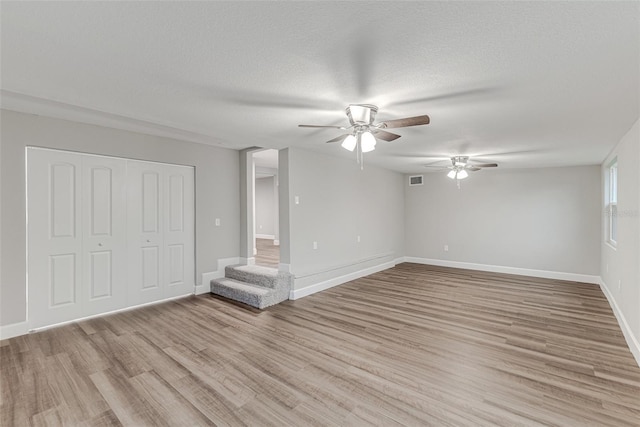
(460, 161)
(462, 174)
(452, 174)
(349, 143)
(361, 114)
(367, 141)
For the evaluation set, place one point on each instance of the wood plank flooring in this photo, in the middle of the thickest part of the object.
(412, 345)
(268, 254)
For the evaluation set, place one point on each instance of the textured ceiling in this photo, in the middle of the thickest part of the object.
(523, 84)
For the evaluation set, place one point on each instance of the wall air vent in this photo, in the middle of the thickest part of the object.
(415, 180)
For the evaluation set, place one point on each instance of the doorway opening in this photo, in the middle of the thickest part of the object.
(266, 211)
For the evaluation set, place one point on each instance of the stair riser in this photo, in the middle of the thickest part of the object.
(259, 301)
(234, 294)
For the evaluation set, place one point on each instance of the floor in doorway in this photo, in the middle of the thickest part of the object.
(268, 254)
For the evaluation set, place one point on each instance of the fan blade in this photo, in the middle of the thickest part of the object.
(402, 123)
(339, 138)
(385, 136)
(484, 165)
(322, 126)
(473, 168)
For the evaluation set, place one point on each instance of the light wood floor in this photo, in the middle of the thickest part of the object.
(412, 345)
(268, 254)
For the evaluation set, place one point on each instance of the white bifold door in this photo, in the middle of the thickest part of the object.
(161, 227)
(105, 233)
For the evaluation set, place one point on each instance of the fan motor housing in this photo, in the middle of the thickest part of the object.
(361, 114)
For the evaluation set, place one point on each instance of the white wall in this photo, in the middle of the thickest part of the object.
(217, 190)
(537, 219)
(265, 206)
(620, 266)
(338, 202)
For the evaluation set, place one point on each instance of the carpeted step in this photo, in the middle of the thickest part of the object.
(254, 274)
(253, 285)
(240, 291)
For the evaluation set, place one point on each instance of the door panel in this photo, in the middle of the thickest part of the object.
(62, 280)
(104, 234)
(101, 285)
(176, 264)
(101, 203)
(150, 202)
(62, 198)
(150, 268)
(176, 203)
(145, 214)
(54, 268)
(179, 231)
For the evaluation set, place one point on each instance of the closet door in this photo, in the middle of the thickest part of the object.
(104, 234)
(54, 237)
(179, 231)
(145, 236)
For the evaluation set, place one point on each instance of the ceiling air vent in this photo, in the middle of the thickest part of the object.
(415, 180)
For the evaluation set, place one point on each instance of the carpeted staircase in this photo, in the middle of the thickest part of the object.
(253, 285)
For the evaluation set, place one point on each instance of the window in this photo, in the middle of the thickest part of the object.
(612, 203)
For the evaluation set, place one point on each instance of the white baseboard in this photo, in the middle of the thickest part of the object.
(276, 242)
(247, 261)
(13, 330)
(632, 341)
(22, 328)
(558, 275)
(265, 236)
(119, 310)
(317, 287)
(205, 287)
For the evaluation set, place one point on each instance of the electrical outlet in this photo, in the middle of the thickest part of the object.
(446, 248)
(358, 239)
(619, 284)
(315, 245)
(296, 199)
(217, 222)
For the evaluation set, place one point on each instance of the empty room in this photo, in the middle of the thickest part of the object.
(249, 213)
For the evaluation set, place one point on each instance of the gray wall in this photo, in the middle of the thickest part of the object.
(339, 202)
(265, 206)
(217, 190)
(620, 268)
(542, 219)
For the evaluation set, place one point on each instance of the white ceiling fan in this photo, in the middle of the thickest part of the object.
(364, 133)
(461, 166)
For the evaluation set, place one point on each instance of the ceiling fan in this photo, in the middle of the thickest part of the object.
(363, 133)
(460, 167)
